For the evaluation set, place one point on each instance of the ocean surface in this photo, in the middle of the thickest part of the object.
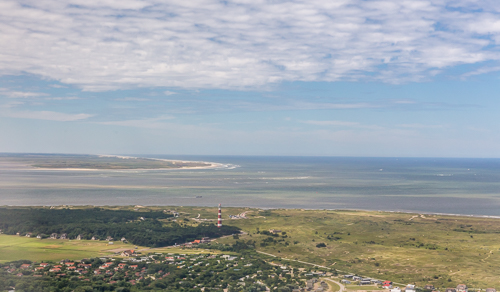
(427, 185)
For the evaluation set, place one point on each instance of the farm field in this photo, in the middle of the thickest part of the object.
(16, 248)
(405, 248)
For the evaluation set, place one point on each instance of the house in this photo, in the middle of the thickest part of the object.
(44, 265)
(356, 278)
(274, 231)
(462, 288)
(25, 266)
(39, 236)
(348, 276)
(450, 290)
(491, 290)
(396, 289)
(79, 237)
(387, 285)
(109, 238)
(429, 287)
(128, 253)
(410, 288)
(362, 282)
(346, 281)
(205, 239)
(55, 270)
(53, 236)
(28, 234)
(63, 236)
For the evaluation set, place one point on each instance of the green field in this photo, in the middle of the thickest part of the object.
(14, 247)
(405, 248)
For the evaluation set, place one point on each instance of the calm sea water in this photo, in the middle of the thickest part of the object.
(453, 186)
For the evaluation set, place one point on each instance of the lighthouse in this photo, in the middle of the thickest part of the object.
(219, 220)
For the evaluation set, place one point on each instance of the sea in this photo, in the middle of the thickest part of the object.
(422, 185)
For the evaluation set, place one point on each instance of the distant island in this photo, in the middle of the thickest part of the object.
(98, 162)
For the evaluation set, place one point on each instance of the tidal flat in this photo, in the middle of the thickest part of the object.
(424, 185)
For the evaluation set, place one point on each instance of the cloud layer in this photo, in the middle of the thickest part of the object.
(108, 44)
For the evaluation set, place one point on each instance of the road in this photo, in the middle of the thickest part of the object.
(342, 287)
(311, 264)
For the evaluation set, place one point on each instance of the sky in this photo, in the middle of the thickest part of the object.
(389, 78)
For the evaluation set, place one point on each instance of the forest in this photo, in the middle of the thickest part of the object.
(140, 228)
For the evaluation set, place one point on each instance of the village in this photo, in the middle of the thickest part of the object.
(134, 271)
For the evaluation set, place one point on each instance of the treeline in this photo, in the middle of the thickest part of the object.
(141, 228)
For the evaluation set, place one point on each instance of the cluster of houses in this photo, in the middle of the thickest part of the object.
(65, 236)
(310, 285)
(409, 288)
(195, 242)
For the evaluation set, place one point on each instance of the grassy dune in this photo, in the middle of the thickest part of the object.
(67, 161)
(405, 248)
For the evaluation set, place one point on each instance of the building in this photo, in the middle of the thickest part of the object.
(462, 288)
(128, 253)
(410, 288)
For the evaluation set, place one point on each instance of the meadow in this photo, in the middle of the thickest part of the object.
(14, 247)
(405, 248)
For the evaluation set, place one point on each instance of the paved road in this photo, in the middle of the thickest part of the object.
(342, 287)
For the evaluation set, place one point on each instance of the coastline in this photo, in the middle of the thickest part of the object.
(210, 165)
(257, 208)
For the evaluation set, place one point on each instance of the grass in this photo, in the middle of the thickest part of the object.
(58, 161)
(14, 247)
(333, 287)
(405, 248)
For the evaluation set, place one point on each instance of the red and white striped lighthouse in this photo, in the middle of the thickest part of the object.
(219, 221)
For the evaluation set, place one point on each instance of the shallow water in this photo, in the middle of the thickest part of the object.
(454, 186)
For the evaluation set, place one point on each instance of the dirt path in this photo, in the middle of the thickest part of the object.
(311, 264)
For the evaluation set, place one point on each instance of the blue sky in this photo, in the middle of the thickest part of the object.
(336, 78)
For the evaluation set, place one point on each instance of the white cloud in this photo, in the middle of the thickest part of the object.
(423, 126)
(111, 44)
(45, 115)
(169, 92)
(62, 98)
(152, 123)
(331, 123)
(132, 99)
(20, 94)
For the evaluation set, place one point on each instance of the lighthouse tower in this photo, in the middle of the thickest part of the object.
(219, 220)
